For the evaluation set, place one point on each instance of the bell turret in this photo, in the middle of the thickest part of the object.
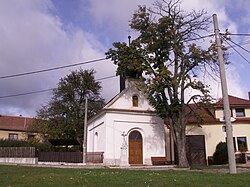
(128, 74)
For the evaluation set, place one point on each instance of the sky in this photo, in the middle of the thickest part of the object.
(42, 34)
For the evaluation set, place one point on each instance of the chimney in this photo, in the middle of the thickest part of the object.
(249, 95)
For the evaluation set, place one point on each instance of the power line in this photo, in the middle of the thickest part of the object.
(233, 34)
(77, 64)
(241, 43)
(45, 90)
(198, 38)
(26, 93)
(51, 69)
(239, 46)
(225, 39)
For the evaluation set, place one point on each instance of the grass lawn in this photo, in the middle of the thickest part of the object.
(11, 176)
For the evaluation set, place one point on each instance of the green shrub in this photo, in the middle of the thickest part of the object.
(220, 155)
(13, 143)
(22, 143)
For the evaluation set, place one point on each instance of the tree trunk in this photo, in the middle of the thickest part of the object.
(178, 132)
(181, 150)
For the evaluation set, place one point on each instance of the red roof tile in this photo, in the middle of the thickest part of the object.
(234, 101)
(15, 123)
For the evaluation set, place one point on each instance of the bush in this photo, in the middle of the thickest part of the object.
(13, 143)
(220, 155)
(22, 143)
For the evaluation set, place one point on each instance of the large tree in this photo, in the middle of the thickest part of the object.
(63, 116)
(170, 59)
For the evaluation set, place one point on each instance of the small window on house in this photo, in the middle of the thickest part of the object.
(13, 136)
(242, 144)
(31, 136)
(240, 112)
(135, 100)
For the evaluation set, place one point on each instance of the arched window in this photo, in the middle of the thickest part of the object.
(135, 135)
(135, 100)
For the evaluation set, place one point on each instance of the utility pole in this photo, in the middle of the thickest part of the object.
(84, 150)
(227, 113)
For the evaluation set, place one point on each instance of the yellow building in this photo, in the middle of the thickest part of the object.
(16, 127)
(203, 136)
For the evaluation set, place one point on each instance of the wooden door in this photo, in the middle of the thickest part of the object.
(195, 147)
(135, 148)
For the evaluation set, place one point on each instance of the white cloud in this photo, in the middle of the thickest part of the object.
(33, 39)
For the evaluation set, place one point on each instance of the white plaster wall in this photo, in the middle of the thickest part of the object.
(151, 128)
(219, 113)
(214, 134)
(125, 101)
(247, 112)
(96, 136)
(19, 160)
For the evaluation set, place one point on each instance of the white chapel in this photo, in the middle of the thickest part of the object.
(127, 130)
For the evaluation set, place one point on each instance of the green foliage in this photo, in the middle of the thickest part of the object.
(220, 155)
(63, 117)
(40, 146)
(13, 143)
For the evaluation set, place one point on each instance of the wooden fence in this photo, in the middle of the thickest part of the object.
(70, 157)
(30, 152)
(17, 152)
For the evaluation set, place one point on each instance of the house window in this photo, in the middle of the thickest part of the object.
(13, 136)
(135, 100)
(242, 144)
(31, 136)
(240, 112)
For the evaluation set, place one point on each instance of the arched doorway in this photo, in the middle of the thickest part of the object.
(135, 148)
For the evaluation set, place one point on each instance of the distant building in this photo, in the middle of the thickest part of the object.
(203, 136)
(16, 127)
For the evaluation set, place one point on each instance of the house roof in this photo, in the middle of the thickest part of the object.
(205, 114)
(15, 123)
(121, 109)
(234, 101)
(201, 114)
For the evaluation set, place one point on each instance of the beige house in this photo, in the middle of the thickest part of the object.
(15, 127)
(203, 135)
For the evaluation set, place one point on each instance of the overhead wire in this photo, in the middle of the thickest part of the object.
(46, 90)
(51, 69)
(198, 38)
(234, 34)
(226, 40)
(239, 46)
(66, 66)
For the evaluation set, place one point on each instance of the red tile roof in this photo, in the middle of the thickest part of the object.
(15, 123)
(234, 101)
(203, 114)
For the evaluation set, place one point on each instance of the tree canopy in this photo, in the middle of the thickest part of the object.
(167, 53)
(63, 116)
